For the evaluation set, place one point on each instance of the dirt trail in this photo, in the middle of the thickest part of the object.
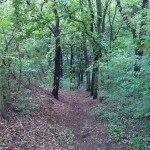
(73, 113)
(64, 124)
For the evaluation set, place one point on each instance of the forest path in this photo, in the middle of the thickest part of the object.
(73, 113)
(64, 124)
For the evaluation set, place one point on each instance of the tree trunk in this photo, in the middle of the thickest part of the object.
(1, 98)
(108, 2)
(92, 30)
(61, 66)
(81, 72)
(57, 67)
(95, 88)
(71, 66)
(97, 50)
(92, 15)
(92, 83)
(111, 25)
(86, 63)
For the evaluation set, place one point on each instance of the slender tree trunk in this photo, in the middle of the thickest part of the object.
(71, 66)
(97, 49)
(81, 71)
(85, 53)
(61, 68)
(108, 2)
(99, 16)
(86, 63)
(92, 30)
(92, 15)
(2, 94)
(1, 98)
(111, 25)
(57, 66)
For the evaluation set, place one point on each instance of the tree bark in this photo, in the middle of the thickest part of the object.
(57, 67)
(92, 30)
(1, 98)
(99, 17)
(71, 66)
(61, 66)
(97, 49)
(92, 15)
(111, 25)
(87, 62)
(104, 15)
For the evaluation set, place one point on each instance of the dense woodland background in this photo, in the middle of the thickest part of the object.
(100, 45)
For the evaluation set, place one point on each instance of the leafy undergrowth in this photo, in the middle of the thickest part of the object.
(125, 98)
(129, 121)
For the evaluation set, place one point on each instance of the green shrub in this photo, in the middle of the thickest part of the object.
(127, 98)
(117, 131)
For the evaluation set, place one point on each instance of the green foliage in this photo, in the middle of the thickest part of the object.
(138, 141)
(142, 110)
(26, 112)
(117, 131)
(35, 105)
(27, 51)
(127, 98)
(25, 104)
(42, 97)
(21, 105)
(27, 90)
(67, 84)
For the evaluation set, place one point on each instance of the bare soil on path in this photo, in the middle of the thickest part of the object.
(74, 113)
(64, 124)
